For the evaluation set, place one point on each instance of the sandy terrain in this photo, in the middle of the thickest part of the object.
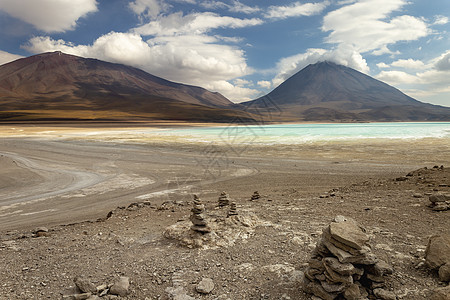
(53, 177)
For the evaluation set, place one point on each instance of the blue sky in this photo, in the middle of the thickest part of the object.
(243, 48)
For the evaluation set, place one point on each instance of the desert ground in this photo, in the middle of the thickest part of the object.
(107, 200)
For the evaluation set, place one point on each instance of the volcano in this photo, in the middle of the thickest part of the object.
(326, 91)
(58, 86)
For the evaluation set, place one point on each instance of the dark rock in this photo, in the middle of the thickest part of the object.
(444, 272)
(121, 287)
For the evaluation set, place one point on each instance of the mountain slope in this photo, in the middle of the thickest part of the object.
(327, 91)
(53, 85)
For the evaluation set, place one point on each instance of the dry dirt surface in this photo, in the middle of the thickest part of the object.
(264, 261)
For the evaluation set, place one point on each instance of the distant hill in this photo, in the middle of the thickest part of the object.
(58, 86)
(326, 91)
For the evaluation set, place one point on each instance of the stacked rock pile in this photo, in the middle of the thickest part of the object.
(224, 200)
(439, 202)
(198, 218)
(255, 196)
(233, 210)
(342, 265)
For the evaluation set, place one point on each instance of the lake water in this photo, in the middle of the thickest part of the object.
(303, 133)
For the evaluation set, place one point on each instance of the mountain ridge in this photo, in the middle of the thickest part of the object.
(53, 84)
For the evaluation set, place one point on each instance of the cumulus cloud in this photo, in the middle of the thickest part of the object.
(443, 62)
(49, 15)
(396, 77)
(295, 9)
(367, 26)
(409, 64)
(382, 65)
(6, 57)
(264, 84)
(343, 55)
(195, 23)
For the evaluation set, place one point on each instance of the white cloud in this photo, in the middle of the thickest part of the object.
(367, 27)
(409, 64)
(343, 55)
(441, 20)
(148, 8)
(242, 8)
(382, 65)
(196, 23)
(236, 6)
(265, 84)
(6, 57)
(49, 15)
(190, 59)
(442, 63)
(295, 9)
(396, 77)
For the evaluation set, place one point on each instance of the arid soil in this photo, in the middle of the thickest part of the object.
(301, 194)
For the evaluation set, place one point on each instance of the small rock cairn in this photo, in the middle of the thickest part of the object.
(439, 202)
(224, 200)
(233, 210)
(342, 265)
(255, 196)
(198, 218)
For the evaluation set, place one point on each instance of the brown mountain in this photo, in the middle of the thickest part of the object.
(326, 91)
(60, 86)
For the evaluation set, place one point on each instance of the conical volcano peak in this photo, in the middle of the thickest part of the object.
(329, 91)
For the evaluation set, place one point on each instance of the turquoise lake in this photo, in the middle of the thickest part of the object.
(301, 133)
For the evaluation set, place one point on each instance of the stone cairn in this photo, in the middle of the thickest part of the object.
(439, 202)
(233, 210)
(255, 196)
(342, 265)
(198, 218)
(224, 200)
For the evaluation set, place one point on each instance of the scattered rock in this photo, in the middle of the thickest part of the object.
(439, 202)
(205, 286)
(85, 285)
(121, 287)
(384, 294)
(41, 231)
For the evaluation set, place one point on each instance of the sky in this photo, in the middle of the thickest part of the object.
(243, 48)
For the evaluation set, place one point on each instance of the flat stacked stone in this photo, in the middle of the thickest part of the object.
(224, 200)
(439, 202)
(255, 196)
(198, 218)
(342, 265)
(233, 210)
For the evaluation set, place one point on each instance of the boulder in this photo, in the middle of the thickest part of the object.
(441, 293)
(437, 252)
(444, 272)
(121, 287)
(384, 294)
(205, 286)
